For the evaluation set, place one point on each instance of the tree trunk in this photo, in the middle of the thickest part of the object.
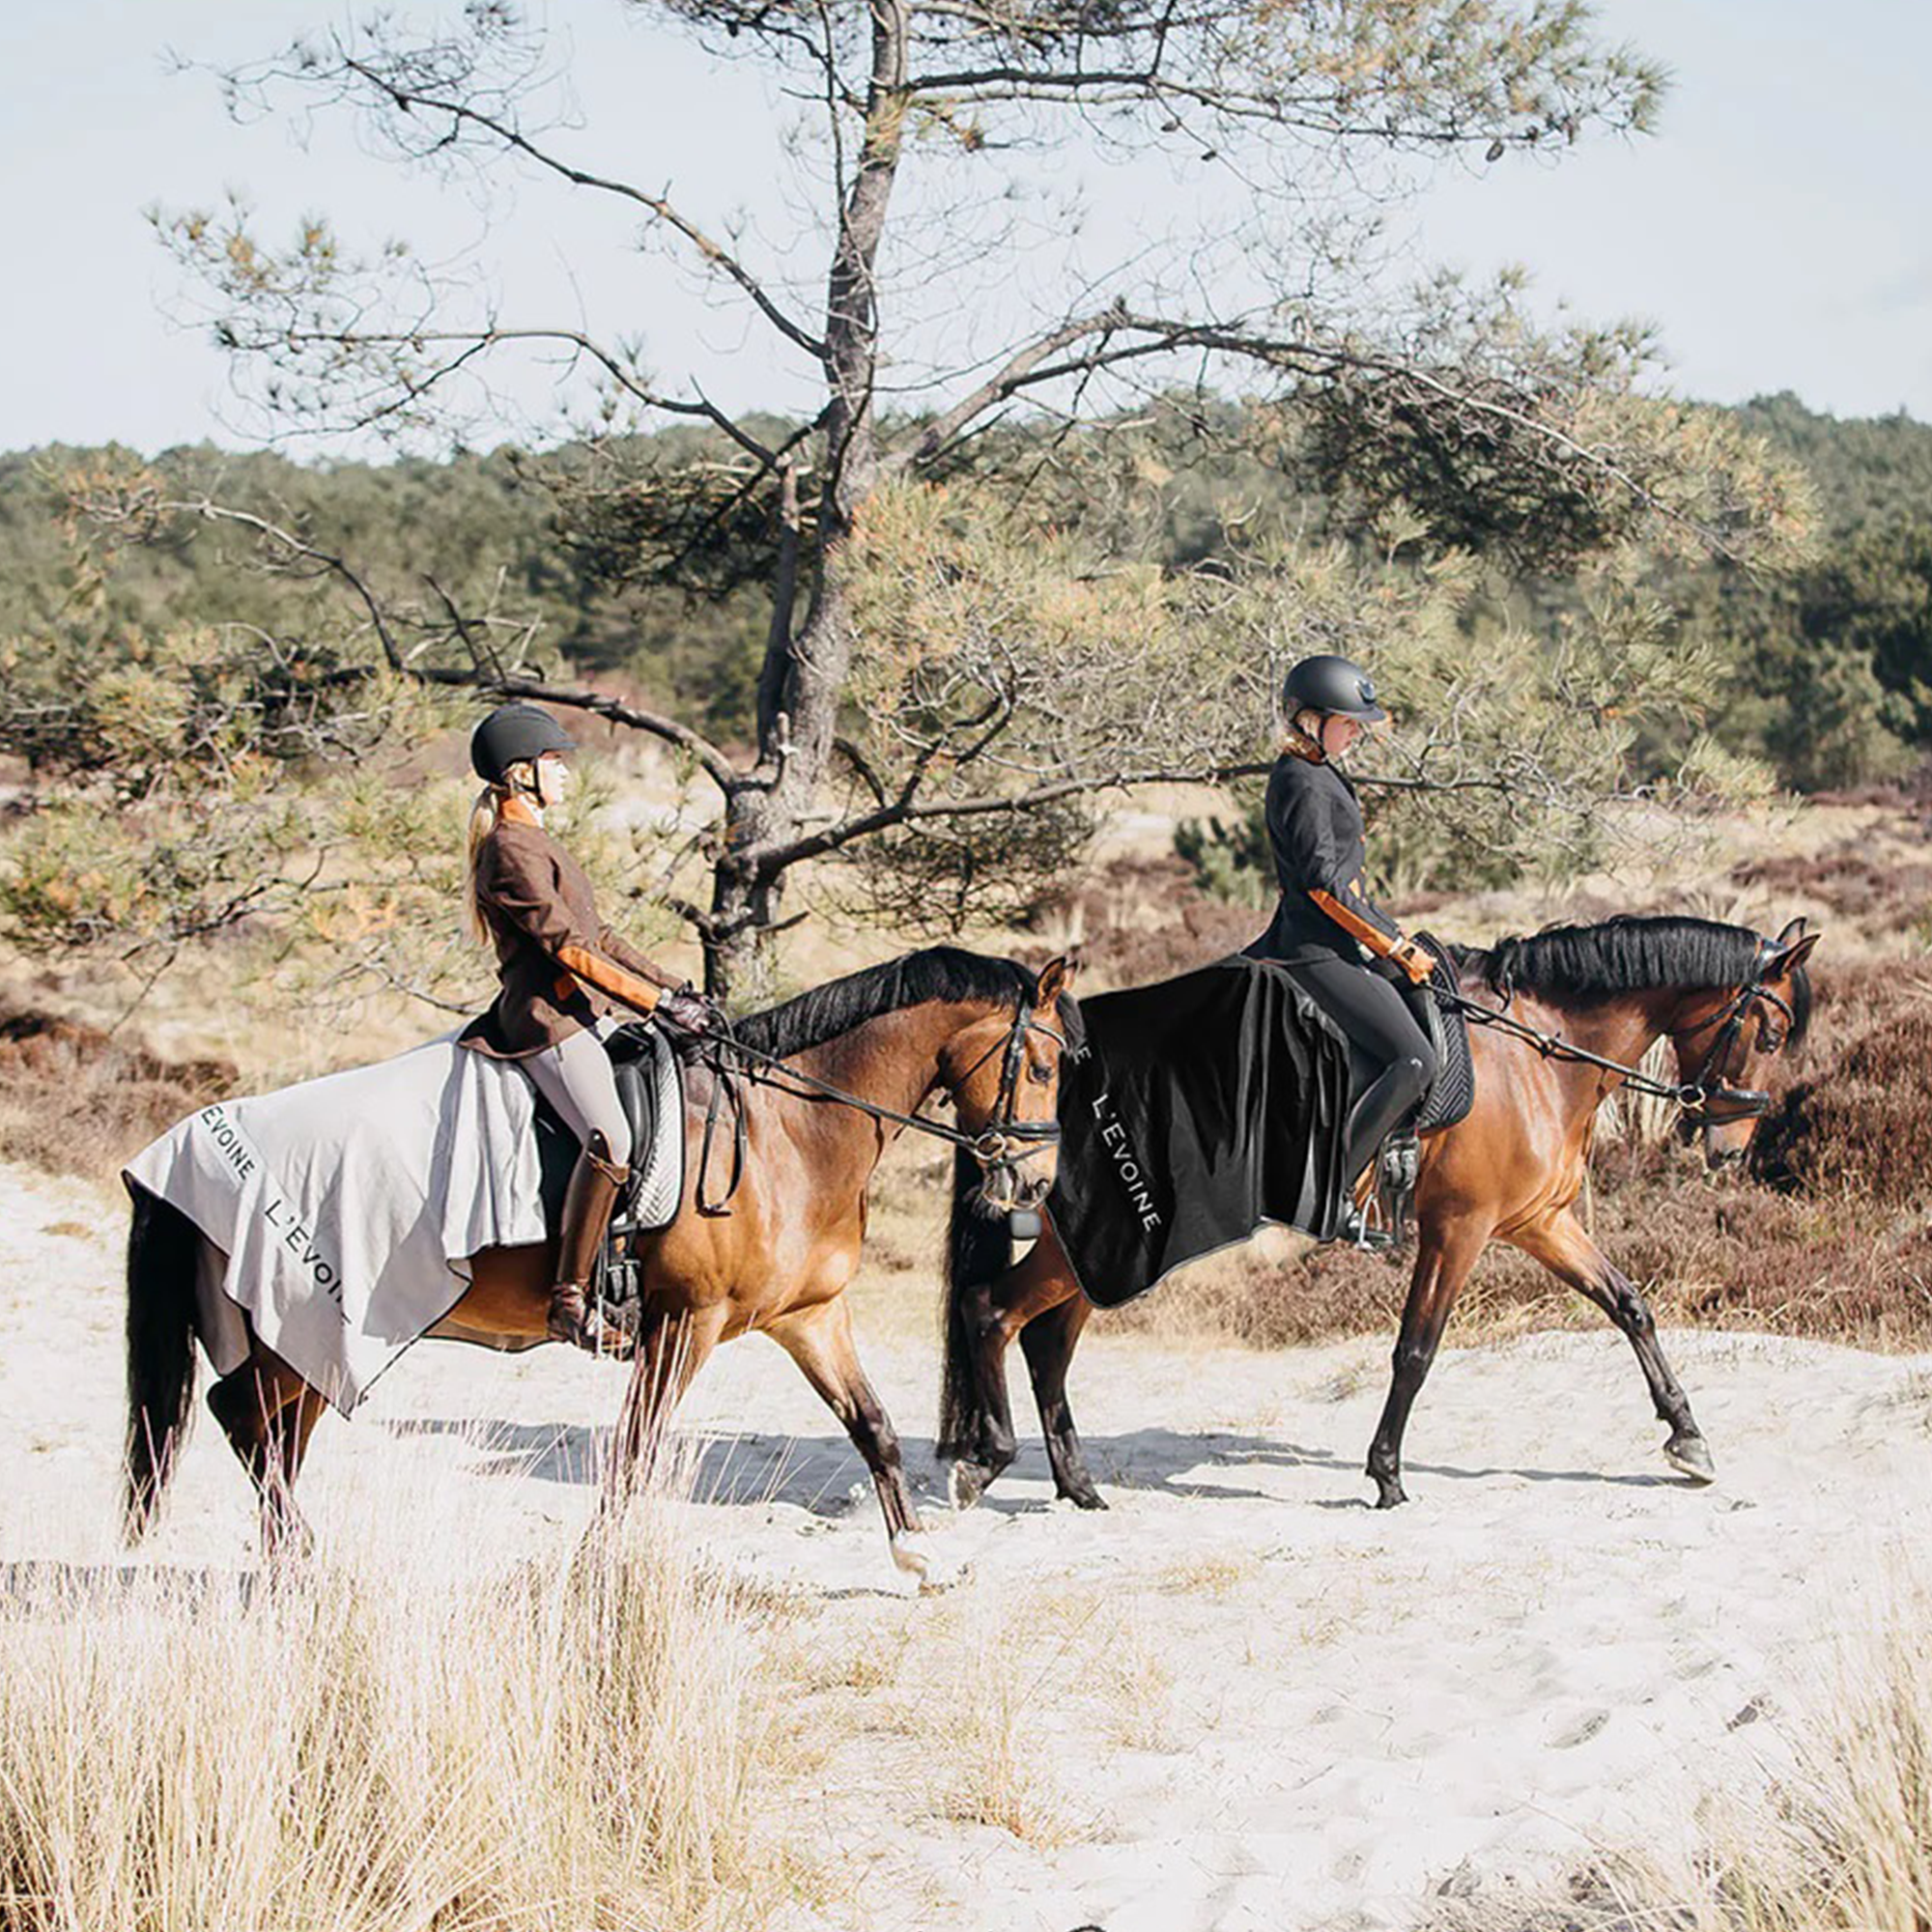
(803, 678)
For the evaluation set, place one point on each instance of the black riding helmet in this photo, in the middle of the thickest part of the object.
(511, 734)
(1335, 686)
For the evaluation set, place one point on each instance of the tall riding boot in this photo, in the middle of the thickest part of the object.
(595, 1182)
(1372, 1117)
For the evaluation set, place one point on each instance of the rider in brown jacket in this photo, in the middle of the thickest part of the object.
(565, 975)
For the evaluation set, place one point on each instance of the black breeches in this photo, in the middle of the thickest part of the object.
(1391, 1058)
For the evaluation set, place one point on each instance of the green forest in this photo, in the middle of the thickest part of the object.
(214, 666)
(1828, 664)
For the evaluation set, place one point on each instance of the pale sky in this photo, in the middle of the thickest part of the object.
(1777, 227)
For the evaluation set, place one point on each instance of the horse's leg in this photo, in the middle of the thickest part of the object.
(670, 1352)
(1447, 1248)
(1039, 1282)
(1048, 1341)
(819, 1340)
(1569, 1253)
(268, 1412)
(985, 1435)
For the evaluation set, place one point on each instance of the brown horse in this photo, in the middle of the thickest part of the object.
(1727, 999)
(986, 1031)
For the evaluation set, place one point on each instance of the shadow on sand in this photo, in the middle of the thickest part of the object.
(823, 1475)
(44, 1587)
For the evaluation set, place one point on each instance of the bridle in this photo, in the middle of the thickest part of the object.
(1695, 1095)
(1006, 1140)
(998, 1148)
(1709, 1083)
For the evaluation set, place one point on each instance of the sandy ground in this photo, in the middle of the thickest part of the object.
(1247, 1701)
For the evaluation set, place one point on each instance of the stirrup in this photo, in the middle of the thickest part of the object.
(1398, 1168)
(573, 1319)
(1359, 1232)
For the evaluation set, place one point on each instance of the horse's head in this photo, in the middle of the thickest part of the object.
(1001, 1071)
(1727, 1038)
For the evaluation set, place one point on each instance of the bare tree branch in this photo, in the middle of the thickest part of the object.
(909, 809)
(714, 253)
(481, 678)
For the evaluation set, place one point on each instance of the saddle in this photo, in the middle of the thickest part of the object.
(1448, 1100)
(650, 1087)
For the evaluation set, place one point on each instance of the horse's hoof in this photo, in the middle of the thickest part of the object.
(1086, 1498)
(966, 1483)
(1389, 1492)
(943, 1576)
(918, 1558)
(1689, 1457)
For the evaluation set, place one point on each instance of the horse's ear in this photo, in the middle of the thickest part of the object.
(1791, 934)
(1795, 955)
(1055, 977)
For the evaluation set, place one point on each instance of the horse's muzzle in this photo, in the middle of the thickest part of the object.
(1006, 1190)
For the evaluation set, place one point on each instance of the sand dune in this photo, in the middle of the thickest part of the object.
(1255, 1703)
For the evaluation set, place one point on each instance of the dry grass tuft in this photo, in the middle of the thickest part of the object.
(1135, 1680)
(993, 1685)
(991, 1765)
(1209, 1576)
(565, 1743)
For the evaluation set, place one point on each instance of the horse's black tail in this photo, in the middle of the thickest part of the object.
(162, 1249)
(978, 1248)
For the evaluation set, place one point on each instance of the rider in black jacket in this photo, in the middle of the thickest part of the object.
(1326, 927)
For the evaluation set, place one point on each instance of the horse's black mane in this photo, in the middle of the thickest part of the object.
(1627, 955)
(938, 973)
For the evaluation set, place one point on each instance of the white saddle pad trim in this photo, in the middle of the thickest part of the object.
(661, 1191)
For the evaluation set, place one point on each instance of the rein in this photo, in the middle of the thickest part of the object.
(1692, 1096)
(1000, 1146)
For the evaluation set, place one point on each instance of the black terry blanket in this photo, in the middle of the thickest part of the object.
(1206, 1105)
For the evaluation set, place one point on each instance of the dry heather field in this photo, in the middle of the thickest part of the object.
(1562, 1688)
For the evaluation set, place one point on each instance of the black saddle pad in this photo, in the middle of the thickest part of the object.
(1453, 1092)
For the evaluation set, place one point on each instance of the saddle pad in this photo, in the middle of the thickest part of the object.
(657, 1186)
(1454, 1089)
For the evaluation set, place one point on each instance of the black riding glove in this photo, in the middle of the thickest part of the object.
(690, 1011)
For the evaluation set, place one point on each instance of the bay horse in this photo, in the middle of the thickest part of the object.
(1728, 999)
(987, 1032)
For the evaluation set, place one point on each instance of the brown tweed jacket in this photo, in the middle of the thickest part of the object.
(562, 968)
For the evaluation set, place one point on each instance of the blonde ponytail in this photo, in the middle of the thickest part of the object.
(1298, 739)
(482, 819)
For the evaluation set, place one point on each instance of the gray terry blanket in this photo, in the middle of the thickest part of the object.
(346, 1206)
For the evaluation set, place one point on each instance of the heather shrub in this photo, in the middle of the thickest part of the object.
(76, 1100)
(1860, 1120)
